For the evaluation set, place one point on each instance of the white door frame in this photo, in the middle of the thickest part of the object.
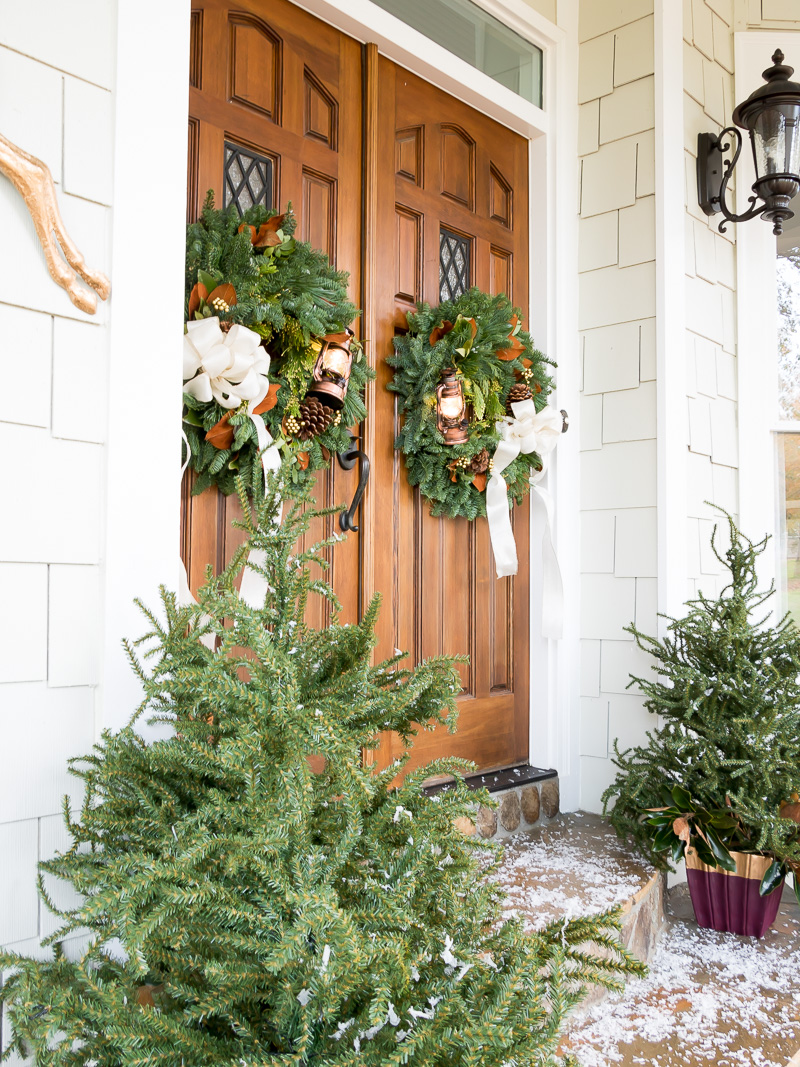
(552, 133)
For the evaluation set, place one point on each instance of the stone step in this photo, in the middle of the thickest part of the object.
(710, 998)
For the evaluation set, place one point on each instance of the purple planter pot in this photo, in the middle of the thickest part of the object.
(730, 902)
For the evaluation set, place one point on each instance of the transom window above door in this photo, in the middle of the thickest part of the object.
(477, 37)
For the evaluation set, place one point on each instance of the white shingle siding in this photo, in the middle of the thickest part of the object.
(56, 103)
(616, 316)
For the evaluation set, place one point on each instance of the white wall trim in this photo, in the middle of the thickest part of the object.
(555, 665)
(142, 527)
(756, 322)
(672, 410)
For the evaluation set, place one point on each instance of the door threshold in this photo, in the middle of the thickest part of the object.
(495, 780)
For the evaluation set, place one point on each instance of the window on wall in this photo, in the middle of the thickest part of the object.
(474, 35)
(788, 439)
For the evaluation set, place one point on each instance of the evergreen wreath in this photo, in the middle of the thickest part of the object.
(479, 337)
(250, 270)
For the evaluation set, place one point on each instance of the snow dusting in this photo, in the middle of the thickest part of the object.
(558, 876)
(710, 998)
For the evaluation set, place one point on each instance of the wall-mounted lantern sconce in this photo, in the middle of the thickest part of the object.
(772, 116)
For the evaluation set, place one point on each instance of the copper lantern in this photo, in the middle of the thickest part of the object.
(451, 411)
(332, 369)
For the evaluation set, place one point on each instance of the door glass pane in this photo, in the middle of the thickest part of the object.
(789, 468)
(453, 264)
(248, 178)
(788, 271)
(477, 37)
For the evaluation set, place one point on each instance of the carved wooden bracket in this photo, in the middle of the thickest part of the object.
(35, 183)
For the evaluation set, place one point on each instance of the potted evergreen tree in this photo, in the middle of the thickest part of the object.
(242, 909)
(718, 781)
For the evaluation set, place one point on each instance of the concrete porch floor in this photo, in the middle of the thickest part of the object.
(710, 998)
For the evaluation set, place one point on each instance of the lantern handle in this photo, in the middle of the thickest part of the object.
(713, 199)
(347, 460)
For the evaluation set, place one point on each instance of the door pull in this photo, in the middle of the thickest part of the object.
(347, 460)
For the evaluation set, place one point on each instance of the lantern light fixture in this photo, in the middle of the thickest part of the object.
(451, 411)
(771, 115)
(331, 374)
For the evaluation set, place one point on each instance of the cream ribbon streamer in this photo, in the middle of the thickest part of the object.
(254, 587)
(184, 591)
(552, 584)
(529, 431)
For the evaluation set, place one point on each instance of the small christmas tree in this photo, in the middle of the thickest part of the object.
(727, 690)
(243, 909)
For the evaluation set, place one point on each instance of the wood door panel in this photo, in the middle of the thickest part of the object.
(275, 80)
(278, 82)
(442, 164)
(254, 70)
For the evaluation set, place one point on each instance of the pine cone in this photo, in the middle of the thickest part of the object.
(314, 418)
(516, 394)
(480, 462)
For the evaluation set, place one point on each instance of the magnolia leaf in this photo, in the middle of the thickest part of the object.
(773, 877)
(663, 839)
(678, 847)
(269, 401)
(268, 235)
(302, 460)
(721, 853)
(479, 481)
(438, 332)
(221, 433)
(252, 229)
(791, 811)
(198, 294)
(210, 281)
(681, 829)
(225, 292)
(192, 418)
(682, 798)
(512, 351)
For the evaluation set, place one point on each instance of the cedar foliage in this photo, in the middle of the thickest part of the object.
(486, 380)
(726, 686)
(244, 910)
(289, 294)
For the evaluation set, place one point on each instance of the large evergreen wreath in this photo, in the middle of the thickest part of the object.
(252, 272)
(481, 339)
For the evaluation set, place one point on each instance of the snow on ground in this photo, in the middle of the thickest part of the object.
(710, 998)
(560, 876)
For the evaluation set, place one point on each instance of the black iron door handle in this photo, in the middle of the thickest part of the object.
(347, 460)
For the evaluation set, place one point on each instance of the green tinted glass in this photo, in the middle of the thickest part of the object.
(477, 37)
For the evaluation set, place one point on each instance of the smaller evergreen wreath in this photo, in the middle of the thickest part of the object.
(251, 271)
(480, 338)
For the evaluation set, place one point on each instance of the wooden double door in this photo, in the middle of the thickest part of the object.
(418, 196)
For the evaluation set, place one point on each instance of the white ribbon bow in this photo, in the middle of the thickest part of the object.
(227, 367)
(529, 431)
